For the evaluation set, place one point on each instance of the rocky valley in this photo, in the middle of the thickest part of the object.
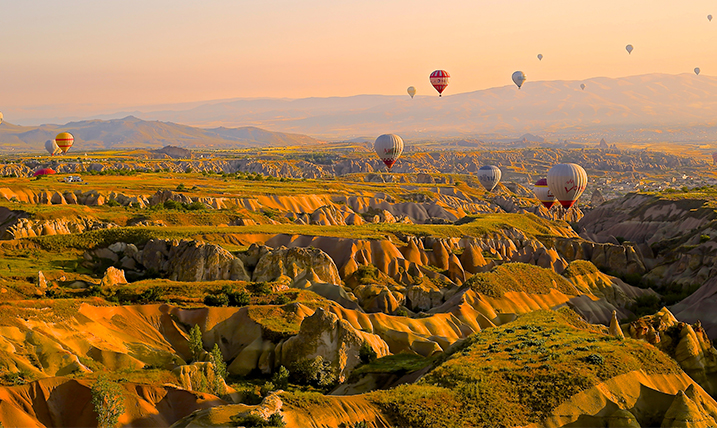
(316, 290)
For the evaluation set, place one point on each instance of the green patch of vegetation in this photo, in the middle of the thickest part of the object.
(518, 373)
(305, 400)
(519, 277)
(398, 364)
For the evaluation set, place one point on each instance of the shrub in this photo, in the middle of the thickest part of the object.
(704, 238)
(259, 288)
(195, 342)
(172, 205)
(314, 371)
(267, 388)
(181, 187)
(595, 359)
(112, 203)
(107, 401)
(194, 206)
(239, 298)
(281, 378)
(220, 299)
(281, 299)
(366, 353)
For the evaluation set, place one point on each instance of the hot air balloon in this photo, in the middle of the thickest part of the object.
(709, 18)
(0, 117)
(519, 78)
(582, 86)
(64, 141)
(714, 158)
(52, 147)
(439, 80)
(567, 182)
(411, 91)
(543, 193)
(489, 176)
(629, 48)
(540, 57)
(697, 71)
(389, 148)
(43, 171)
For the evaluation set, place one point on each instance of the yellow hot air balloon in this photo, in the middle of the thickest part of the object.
(411, 91)
(64, 141)
(0, 117)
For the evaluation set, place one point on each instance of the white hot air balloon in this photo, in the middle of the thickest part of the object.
(489, 176)
(388, 147)
(697, 71)
(629, 48)
(518, 78)
(567, 182)
(582, 86)
(709, 18)
(411, 91)
(540, 57)
(543, 193)
(52, 147)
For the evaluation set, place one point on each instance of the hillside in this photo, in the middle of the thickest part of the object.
(130, 132)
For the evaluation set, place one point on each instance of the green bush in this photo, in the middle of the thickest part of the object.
(217, 358)
(107, 401)
(112, 203)
(181, 187)
(367, 354)
(220, 299)
(704, 238)
(239, 298)
(314, 371)
(281, 378)
(281, 299)
(172, 205)
(259, 288)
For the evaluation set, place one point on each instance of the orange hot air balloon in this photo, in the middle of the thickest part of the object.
(64, 141)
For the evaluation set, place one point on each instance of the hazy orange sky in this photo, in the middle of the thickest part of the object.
(132, 52)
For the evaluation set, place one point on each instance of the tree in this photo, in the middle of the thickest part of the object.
(281, 378)
(108, 402)
(220, 367)
(195, 342)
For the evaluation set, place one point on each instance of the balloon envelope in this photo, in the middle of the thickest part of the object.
(518, 78)
(52, 147)
(582, 86)
(388, 147)
(439, 80)
(0, 117)
(697, 71)
(629, 48)
(540, 57)
(43, 171)
(567, 182)
(489, 176)
(714, 158)
(64, 141)
(411, 91)
(543, 193)
(709, 17)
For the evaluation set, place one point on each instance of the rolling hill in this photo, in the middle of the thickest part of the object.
(131, 132)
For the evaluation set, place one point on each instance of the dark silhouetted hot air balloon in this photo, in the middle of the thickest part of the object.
(582, 86)
(439, 80)
(540, 57)
(629, 49)
(697, 71)
(518, 78)
(489, 176)
(389, 148)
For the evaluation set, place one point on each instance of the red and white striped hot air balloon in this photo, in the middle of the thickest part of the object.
(64, 141)
(567, 182)
(439, 80)
(389, 148)
(543, 193)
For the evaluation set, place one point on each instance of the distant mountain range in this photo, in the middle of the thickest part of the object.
(655, 106)
(131, 132)
(646, 103)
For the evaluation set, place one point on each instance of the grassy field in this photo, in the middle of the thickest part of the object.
(518, 373)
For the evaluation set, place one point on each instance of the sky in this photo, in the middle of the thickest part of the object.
(83, 55)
